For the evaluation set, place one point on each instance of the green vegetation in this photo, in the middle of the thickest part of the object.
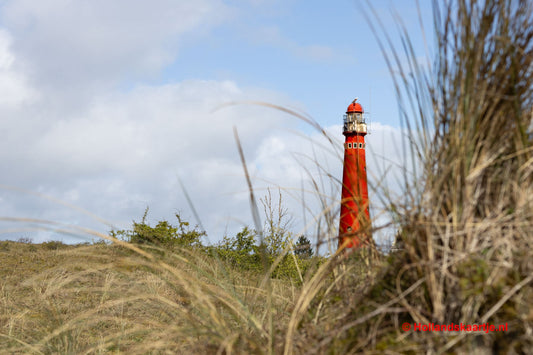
(464, 251)
(248, 250)
(164, 234)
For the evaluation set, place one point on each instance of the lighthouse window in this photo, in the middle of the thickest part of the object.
(360, 145)
(349, 145)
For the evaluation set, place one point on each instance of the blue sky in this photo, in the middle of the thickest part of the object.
(320, 54)
(105, 105)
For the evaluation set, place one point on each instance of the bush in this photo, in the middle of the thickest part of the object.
(163, 234)
(53, 245)
(243, 252)
(240, 251)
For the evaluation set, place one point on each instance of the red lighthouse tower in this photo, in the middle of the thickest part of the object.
(355, 216)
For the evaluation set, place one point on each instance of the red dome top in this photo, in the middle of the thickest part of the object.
(354, 107)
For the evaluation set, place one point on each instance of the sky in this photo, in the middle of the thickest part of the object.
(105, 106)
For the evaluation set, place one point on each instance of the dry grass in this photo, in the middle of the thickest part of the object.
(467, 221)
(466, 237)
(105, 298)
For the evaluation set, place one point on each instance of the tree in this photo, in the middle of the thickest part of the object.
(245, 242)
(276, 235)
(241, 250)
(303, 248)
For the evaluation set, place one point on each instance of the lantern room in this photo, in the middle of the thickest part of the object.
(354, 120)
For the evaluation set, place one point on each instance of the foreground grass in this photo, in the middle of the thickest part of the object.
(104, 298)
(86, 299)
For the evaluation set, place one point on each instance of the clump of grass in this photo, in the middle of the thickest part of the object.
(467, 220)
(53, 245)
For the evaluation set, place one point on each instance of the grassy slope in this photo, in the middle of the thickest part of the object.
(78, 299)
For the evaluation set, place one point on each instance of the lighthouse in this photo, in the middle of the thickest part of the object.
(355, 217)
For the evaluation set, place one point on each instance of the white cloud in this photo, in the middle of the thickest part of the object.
(68, 44)
(14, 89)
(127, 151)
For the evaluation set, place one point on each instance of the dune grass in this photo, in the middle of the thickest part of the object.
(104, 298)
(464, 240)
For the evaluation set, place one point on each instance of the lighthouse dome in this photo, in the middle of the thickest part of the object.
(354, 107)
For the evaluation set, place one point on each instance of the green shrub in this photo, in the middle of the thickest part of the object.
(163, 234)
(240, 251)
